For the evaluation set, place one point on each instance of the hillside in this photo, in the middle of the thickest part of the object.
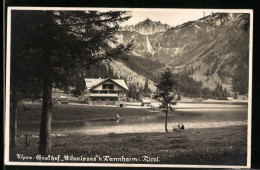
(213, 47)
(130, 76)
(219, 49)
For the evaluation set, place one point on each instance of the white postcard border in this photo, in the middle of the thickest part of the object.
(7, 89)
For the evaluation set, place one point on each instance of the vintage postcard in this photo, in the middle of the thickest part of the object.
(128, 87)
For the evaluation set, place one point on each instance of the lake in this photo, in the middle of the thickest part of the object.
(192, 115)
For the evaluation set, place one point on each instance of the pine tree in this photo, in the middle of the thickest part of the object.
(141, 91)
(79, 86)
(208, 74)
(146, 90)
(166, 92)
(53, 43)
(235, 95)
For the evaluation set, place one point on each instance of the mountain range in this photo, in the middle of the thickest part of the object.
(147, 27)
(211, 49)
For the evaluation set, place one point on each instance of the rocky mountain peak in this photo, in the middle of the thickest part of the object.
(147, 27)
(147, 22)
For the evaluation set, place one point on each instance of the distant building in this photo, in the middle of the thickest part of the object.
(230, 98)
(146, 103)
(105, 91)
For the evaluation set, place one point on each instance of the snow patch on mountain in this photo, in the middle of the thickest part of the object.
(197, 27)
(149, 46)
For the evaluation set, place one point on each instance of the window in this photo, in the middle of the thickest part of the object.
(112, 92)
(94, 91)
(108, 86)
(103, 91)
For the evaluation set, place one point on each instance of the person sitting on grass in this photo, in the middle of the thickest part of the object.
(181, 126)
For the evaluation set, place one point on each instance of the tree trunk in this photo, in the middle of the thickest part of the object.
(45, 127)
(13, 117)
(166, 119)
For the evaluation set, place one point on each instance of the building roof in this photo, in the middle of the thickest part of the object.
(63, 97)
(91, 83)
(146, 101)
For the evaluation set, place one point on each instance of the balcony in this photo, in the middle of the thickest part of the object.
(106, 92)
(103, 95)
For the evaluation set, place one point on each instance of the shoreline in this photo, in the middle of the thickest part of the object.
(156, 128)
(217, 102)
(137, 105)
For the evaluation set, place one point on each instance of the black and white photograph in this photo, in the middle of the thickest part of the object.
(128, 87)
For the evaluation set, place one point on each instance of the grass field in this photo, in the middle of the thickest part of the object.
(218, 146)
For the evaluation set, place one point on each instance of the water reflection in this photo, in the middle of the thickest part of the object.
(191, 117)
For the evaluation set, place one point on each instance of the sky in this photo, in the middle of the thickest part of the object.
(173, 18)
